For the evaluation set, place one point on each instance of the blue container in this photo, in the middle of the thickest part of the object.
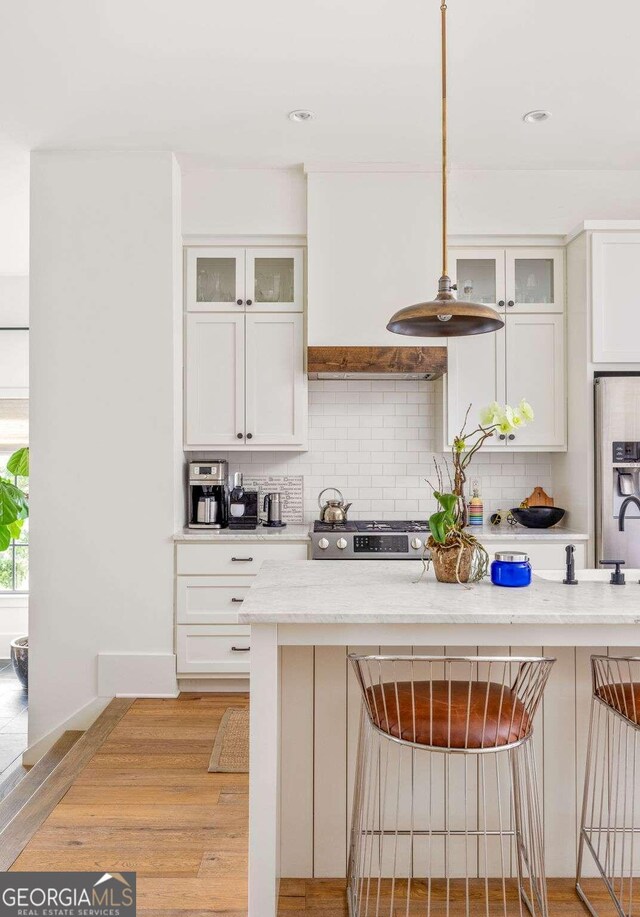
(511, 569)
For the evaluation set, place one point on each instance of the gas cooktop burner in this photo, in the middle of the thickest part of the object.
(392, 525)
(334, 527)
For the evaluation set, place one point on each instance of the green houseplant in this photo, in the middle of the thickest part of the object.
(457, 555)
(14, 509)
(14, 503)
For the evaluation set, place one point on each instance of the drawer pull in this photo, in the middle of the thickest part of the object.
(240, 649)
(242, 560)
(237, 600)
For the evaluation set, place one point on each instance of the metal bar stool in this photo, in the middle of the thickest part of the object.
(445, 787)
(610, 822)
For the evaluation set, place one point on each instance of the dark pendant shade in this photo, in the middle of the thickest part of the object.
(445, 316)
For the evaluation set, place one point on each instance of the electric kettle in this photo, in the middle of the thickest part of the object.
(272, 506)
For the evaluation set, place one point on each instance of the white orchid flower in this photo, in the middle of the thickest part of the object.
(526, 410)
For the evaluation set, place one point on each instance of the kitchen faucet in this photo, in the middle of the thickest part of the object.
(623, 510)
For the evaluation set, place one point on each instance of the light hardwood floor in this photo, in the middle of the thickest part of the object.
(145, 802)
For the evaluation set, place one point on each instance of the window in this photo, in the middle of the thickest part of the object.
(14, 562)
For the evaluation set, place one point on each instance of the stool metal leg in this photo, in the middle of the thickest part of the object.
(528, 828)
(610, 823)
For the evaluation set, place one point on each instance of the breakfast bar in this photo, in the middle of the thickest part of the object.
(306, 616)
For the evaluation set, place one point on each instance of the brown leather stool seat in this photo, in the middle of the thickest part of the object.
(449, 714)
(623, 697)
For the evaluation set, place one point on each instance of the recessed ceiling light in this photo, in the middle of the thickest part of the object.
(533, 117)
(300, 114)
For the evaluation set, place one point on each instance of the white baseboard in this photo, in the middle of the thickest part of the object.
(137, 675)
(81, 719)
(214, 685)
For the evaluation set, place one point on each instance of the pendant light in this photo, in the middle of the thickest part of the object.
(444, 316)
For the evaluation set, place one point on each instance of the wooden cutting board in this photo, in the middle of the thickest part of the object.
(539, 498)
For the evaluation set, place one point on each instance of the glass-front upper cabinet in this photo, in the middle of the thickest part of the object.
(215, 279)
(223, 279)
(274, 280)
(535, 279)
(513, 280)
(479, 275)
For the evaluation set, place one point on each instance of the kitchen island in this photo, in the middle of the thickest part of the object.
(305, 616)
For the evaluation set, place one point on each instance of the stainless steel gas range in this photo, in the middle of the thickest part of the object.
(369, 540)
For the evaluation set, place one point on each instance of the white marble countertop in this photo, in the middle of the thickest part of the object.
(390, 592)
(505, 532)
(299, 533)
(292, 533)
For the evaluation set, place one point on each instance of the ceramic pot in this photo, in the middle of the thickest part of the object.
(452, 563)
(20, 660)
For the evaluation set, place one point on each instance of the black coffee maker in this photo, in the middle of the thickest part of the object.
(208, 495)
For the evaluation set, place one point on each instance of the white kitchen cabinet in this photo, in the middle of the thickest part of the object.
(212, 580)
(615, 261)
(226, 279)
(241, 557)
(245, 385)
(214, 379)
(215, 279)
(210, 599)
(535, 370)
(526, 359)
(534, 280)
(220, 649)
(275, 380)
(514, 280)
(480, 275)
(274, 279)
(475, 376)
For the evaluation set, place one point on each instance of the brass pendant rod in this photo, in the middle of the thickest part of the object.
(443, 42)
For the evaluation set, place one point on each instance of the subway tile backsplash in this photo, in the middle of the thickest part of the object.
(376, 441)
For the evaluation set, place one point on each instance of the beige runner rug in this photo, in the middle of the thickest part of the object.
(230, 753)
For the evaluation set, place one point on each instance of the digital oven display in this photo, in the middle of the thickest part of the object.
(382, 544)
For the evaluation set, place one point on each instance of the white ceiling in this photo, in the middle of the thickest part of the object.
(216, 79)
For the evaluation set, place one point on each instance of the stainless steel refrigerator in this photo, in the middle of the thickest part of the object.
(617, 428)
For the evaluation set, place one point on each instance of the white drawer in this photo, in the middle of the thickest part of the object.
(233, 559)
(543, 556)
(210, 649)
(210, 599)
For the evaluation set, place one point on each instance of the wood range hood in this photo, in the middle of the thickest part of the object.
(412, 363)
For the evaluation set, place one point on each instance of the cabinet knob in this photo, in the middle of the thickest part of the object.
(238, 435)
(249, 435)
(512, 436)
(501, 303)
(502, 436)
(249, 302)
(511, 303)
(239, 302)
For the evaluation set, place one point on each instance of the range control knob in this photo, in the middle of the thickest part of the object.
(416, 543)
(341, 543)
(323, 544)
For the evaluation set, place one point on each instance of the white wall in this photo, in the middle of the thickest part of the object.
(14, 312)
(542, 202)
(376, 441)
(14, 300)
(374, 246)
(14, 212)
(244, 202)
(103, 375)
